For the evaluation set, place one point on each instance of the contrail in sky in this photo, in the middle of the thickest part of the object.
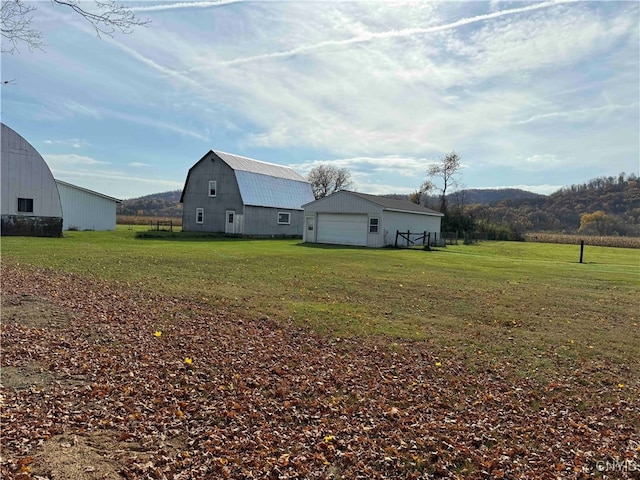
(174, 6)
(391, 34)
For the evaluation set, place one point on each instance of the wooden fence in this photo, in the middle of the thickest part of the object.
(411, 239)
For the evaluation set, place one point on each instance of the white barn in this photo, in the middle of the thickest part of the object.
(84, 209)
(29, 203)
(352, 218)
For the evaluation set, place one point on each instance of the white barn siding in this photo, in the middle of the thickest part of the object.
(25, 175)
(83, 209)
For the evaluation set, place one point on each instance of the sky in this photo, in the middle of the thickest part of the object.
(531, 95)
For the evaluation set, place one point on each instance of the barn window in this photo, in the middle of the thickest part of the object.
(213, 187)
(284, 218)
(373, 225)
(199, 215)
(25, 205)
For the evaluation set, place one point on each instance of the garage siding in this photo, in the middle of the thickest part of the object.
(394, 221)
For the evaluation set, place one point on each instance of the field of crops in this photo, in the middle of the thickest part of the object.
(150, 221)
(621, 242)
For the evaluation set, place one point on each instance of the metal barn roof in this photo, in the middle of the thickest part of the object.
(245, 164)
(267, 191)
(264, 184)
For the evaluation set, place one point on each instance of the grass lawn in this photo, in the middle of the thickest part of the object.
(531, 305)
(154, 358)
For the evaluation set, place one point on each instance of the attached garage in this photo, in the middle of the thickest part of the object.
(352, 218)
(342, 229)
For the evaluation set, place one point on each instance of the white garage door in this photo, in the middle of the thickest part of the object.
(342, 228)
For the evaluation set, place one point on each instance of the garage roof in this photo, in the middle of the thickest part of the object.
(392, 204)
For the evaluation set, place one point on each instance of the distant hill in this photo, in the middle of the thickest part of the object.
(493, 196)
(165, 204)
(601, 206)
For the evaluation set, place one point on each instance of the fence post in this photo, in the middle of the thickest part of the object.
(581, 249)
(397, 233)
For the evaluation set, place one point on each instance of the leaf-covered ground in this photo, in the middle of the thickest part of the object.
(144, 386)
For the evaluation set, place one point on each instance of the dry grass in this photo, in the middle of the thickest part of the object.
(600, 241)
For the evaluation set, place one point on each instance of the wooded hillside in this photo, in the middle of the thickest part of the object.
(165, 204)
(601, 206)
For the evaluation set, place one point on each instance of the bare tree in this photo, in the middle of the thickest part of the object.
(107, 18)
(422, 193)
(447, 170)
(326, 179)
(16, 25)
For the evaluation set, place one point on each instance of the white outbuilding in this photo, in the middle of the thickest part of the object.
(84, 209)
(352, 218)
(30, 202)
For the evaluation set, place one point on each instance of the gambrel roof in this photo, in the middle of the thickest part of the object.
(264, 184)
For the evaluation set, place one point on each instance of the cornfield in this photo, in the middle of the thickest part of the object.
(601, 241)
(146, 220)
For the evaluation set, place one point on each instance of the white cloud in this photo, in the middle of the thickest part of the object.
(71, 142)
(115, 183)
(392, 164)
(139, 164)
(73, 108)
(542, 161)
(579, 115)
(182, 5)
(381, 189)
(391, 34)
(60, 160)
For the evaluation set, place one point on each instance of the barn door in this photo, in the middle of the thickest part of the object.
(230, 224)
